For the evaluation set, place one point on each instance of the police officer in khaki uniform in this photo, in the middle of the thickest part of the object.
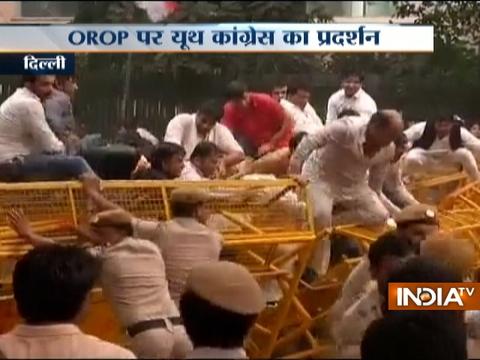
(415, 223)
(133, 280)
(220, 304)
(51, 286)
(184, 241)
(384, 255)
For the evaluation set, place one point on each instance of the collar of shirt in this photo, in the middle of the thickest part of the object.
(217, 353)
(46, 330)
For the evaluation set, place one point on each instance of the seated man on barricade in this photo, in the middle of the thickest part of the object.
(346, 162)
(203, 163)
(184, 241)
(441, 145)
(165, 163)
(258, 122)
(220, 305)
(29, 150)
(415, 223)
(189, 130)
(51, 286)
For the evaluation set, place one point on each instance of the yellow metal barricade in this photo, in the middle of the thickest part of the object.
(433, 189)
(267, 226)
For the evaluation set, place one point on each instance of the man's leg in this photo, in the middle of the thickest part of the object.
(467, 160)
(322, 204)
(54, 168)
(366, 209)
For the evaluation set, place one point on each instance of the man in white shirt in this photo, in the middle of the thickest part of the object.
(203, 163)
(29, 150)
(441, 145)
(304, 116)
(51, 286)
(352, 97)
(346, 162)
(188, 130)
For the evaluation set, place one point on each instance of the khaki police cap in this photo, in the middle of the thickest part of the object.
(115, 217)
(227, 285)
(417, 213)
(189, 196)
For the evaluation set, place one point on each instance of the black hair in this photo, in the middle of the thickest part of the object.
(277, 83)
(416, 336)
(226, 329)
(353, 73)
(295, 86)
(235, 90)
(429, 135)
(389, 244)
(29, 78)
(348, 112)
(164, 152)
(51, 283)
(212, 109)
(205, 149)
(296, 140)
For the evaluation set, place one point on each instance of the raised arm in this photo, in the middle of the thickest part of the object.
(20, 224)
(336, 130)
(414, 132)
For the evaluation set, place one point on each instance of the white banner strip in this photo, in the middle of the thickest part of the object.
(220, 38)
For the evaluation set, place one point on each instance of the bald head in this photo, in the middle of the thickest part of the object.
(384, 127)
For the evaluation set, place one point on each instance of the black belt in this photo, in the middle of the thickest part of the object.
(142, 326)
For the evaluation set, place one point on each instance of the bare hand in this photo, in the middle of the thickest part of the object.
(91, 184)
(142, 165)
(19, 223)
(265, 149)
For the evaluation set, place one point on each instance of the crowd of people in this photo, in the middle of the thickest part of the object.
(165, 280)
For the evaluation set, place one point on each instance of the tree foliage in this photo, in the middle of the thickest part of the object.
(455, 22)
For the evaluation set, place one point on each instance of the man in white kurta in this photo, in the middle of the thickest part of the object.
(439, 156)
(297, 105)
(350, 97)
(189, 130)
(347, 162)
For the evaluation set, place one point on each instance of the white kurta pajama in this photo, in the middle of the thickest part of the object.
(339, 172)
(440, 157)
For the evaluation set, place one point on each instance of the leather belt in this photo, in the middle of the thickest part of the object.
(142, 326)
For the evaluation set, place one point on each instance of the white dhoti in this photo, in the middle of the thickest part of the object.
(419, 160)
(362, 207)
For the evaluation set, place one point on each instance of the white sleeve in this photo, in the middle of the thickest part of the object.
(148, 230)
(174, 132)
(414, 132)
(37, 126)
(471, 142)
(226, 141)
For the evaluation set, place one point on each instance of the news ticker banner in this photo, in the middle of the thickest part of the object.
(434, 296)
(220, 38)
